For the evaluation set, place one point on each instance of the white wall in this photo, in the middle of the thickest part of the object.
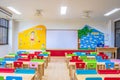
(59, 24)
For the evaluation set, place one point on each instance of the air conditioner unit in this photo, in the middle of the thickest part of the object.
(5, 13)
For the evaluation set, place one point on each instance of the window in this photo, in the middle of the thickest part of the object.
(4, 31)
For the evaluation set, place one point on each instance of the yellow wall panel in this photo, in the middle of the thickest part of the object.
(33, 38)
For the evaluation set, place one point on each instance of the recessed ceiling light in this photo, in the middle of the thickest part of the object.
(14, 10)
(111, 12)
(63, 10)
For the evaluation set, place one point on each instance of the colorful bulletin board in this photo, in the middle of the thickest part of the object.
(33, 38)
(90, 38)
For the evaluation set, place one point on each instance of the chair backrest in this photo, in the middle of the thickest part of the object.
(40, 57)
(93, 78)
(99, 58)
(83, 57)
(109, 65)
(13, 78)
(37, 52)
(105, 57)
(33, 64)
(112, 78)
(18, 64)
(2, 64)
(91, 65)
(31, 56)
(80, 65)
(75, 57)
(1, 77)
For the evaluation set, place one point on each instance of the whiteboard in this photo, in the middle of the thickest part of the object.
(61, 39)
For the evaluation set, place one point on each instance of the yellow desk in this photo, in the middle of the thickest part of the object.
(113, 50)
(24, 76)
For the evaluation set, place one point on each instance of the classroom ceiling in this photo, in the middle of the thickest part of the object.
(51, 8)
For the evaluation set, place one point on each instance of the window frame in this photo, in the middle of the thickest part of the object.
(6, 27)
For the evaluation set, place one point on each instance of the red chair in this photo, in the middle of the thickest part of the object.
(80, 65)
(23, 59)
(75, 58)
(7, 70)
(18, 64)
(105, 57)
(31, 56)
(39, 57)
(112, 78)
(37, 52)
(108, 71)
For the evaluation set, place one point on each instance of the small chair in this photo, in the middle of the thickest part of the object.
(93, 78)
(1, 77)
(80, 65)
(31, 56)
(18, 64)
(91, 65)
(39, 57)
(13, 78)
(109, 65)
(37, 52)
(75, 57)
(2, 64)
(33, 65)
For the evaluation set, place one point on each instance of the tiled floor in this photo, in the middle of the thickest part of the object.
(56, 70)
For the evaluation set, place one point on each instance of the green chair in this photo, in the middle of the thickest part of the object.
(12, 54)
(91, 61)
(93, 53)
(37, 60)
(83, 57)
(71, 55)
(1, 59)
(91, 65)
(1, 78)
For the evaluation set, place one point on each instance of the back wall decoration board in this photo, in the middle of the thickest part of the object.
(90, 38)
(33, 38)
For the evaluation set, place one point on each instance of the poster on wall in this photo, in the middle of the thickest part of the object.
(90, 38)
(33, 38)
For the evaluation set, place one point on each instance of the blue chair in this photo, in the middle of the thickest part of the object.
(20, 52)
(10, 59)
(99, 58)
(86, 71)
(93, 78)
(25, 71)
(13, 78)
(80, 53)
(43, 55)
(2, 64)
(109, 65)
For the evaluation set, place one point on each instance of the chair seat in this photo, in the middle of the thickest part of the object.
(25, 71)
(86, 71)
(93, 78)
(13, 78)
(108, 71)
(6, 70)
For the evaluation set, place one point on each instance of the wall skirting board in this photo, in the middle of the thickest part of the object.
(62, 52)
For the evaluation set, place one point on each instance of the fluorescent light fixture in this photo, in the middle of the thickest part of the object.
(111, 12)
(63, 10)
(14, 10)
